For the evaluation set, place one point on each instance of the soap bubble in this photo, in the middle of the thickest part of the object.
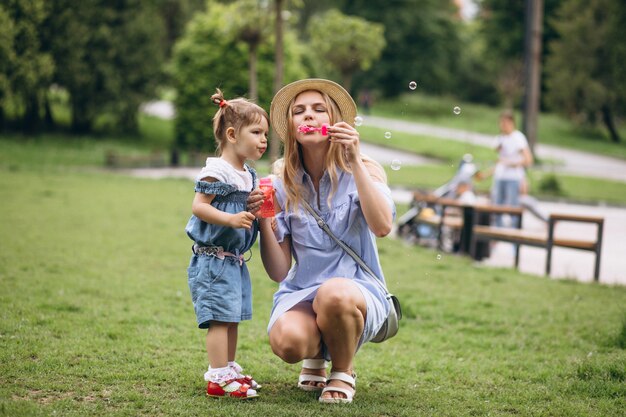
(358, 121)
(387, 135)
(438, 256)
(396, 164)
(456, 110)
(412, 85)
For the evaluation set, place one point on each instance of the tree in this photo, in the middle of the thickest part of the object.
(28, 67)
(109, 57)
(346, 43)
(422, 44)
(207, 57)
(585, 72)
(502, 25)
(7, 58)
(248, 21)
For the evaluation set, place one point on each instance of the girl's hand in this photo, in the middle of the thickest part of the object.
(242, 220)
(347, 136)
(255, 199)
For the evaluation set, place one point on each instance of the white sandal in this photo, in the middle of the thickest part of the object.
(305, 379)
(341, 376)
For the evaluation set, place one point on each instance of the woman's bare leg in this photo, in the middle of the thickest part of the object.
(295, 337)
(340, 310)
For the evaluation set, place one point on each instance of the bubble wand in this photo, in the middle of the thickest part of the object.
(308, 129)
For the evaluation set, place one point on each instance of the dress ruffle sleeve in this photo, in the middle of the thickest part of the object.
(215, 188)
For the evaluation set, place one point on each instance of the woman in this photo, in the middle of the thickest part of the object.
(326, 306)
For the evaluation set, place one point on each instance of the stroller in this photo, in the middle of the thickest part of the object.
(414, 225)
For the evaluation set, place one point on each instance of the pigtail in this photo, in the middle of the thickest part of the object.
(218, 98)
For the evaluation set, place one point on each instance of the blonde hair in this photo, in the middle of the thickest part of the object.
(236, 113)
(289, 166)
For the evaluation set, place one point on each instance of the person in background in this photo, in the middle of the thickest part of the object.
(514, 157)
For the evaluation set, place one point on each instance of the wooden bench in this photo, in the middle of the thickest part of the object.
(548, 241)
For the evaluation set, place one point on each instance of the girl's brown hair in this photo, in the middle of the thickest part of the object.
(334, 161)
(236, 113)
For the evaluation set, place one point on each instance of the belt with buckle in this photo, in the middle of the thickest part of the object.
(216, 251)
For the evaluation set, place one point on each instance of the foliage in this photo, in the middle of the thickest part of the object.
(109, 57)
(207, 57)
(550, 184)
(27, 66)
(99, 322)
(586, 79)
(502, 27)
(345, 43)
(422, 44)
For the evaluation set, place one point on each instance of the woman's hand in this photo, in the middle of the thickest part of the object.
(347, 136)
(255, 200)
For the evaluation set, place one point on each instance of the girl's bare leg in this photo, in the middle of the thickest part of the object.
(340, 310)
(217, 344)
(233, 332)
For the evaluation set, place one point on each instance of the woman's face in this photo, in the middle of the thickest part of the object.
(310, 109)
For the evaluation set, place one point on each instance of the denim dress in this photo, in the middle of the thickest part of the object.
(220, 285)
(318, 258)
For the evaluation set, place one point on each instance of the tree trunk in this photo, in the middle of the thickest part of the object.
(278, 74)
(81, 121)
(48, 118)
(31, 120)
(253, 83)
(128, 121)
(347, 80)
(607, 118)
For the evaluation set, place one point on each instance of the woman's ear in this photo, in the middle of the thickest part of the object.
(230, 135)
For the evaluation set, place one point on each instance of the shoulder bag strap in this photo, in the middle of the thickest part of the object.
(322, 224)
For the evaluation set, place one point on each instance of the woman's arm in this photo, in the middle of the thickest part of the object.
(378, 214)
(276, 256)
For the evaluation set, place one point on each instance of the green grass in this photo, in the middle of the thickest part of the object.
(553, 129)
(96, 320)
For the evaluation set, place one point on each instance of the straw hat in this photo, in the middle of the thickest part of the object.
(280, 104)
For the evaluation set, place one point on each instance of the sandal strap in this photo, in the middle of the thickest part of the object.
(311, 378)
(349, 394)
(342, 376)
(314, 363)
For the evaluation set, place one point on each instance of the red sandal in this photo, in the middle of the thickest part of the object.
(244, 379)
(232, 389)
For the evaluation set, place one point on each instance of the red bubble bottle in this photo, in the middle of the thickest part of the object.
(267, 208)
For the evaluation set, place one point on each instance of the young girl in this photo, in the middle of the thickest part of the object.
(223, 230)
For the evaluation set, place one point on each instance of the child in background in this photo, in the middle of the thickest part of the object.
(222, 231)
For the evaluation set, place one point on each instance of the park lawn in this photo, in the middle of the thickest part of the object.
(553, 129)
(96, 319)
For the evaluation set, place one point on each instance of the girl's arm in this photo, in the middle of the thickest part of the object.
(202, 209)
(276, 256)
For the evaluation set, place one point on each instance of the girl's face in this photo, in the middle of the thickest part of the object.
(309, 108)
(251, 142)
